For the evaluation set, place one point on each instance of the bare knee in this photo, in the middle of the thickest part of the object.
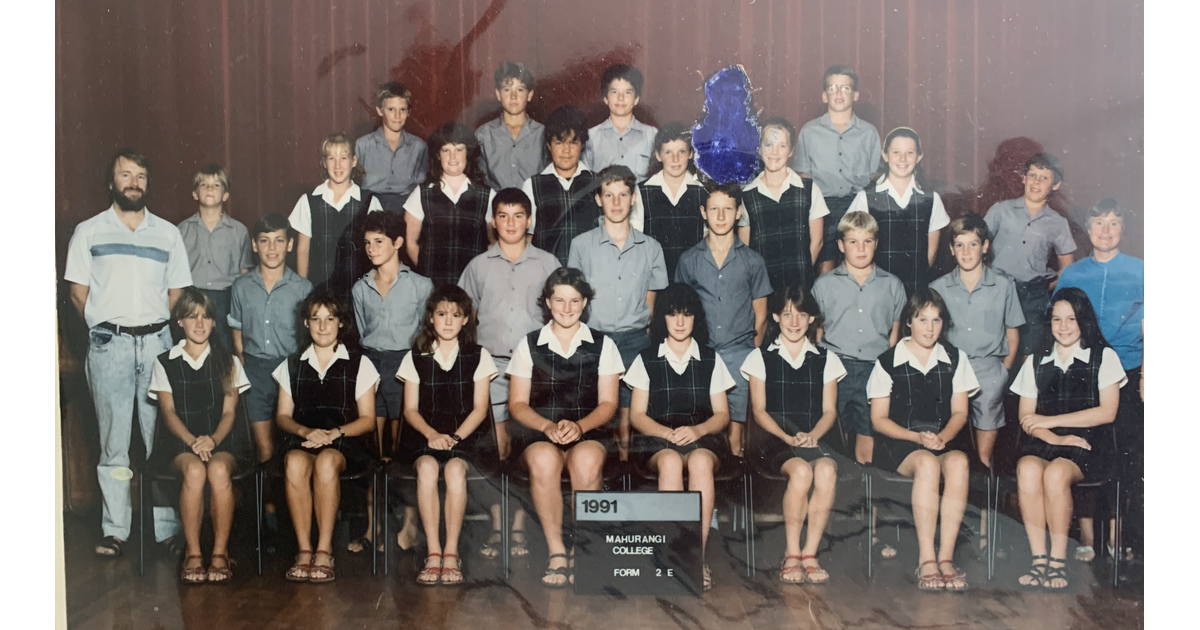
(825, 473)
(800, 476)
(586, 464)
(1058, 476)
(327, 467)
(297, 468)
(955, 466)
(1029, 473)
(701, 464)
(427, 468)
(926, 466)
(194, 474)
(456, 473)
(219, 472)
(544, 462)
(669, 464)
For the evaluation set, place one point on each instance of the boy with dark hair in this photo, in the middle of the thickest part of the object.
(394, 160)
(512, 143)
(733, 285)
(561, 193)
(862, 305)
(1024, 233)
(621, 138)
(218, 246)
(839, 151)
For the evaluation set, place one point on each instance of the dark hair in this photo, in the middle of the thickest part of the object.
(322, 296)
(512, 197)
(678, 298)
(133, 156)
(573, 278)
(1085, 316)
(783, 124)
(389, 224)
(1049, 162)
(671, 132)
(513, 70)
(454, 132)
(801, 300)
(842, 70)
(455, 295)
(918, 173)
(621, 71)
(730, 188)
(613, 174)
(561, 123)
(1107, 206)
(393, 89)
(272, 222)
(969, 223)
(221, 358)
(917, 302)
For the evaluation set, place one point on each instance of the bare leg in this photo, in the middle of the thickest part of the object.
(220, 468)
(264, 439)
(821, 504)
(428, 469)
(456, 506)
(1060, 475)
(864, 448)
(735, 437)
(298, 467)
(191, 506)
(1030, 472)
(669, 466)
(545, 463)
(327, 493)
(924, 469)
(795, 504)
(955, 472)
(701, 464)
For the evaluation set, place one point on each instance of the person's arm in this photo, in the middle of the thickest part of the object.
(882, 423)
(519, 409)
(172, 297)
(1014, 347)
(894, 336)
(412, 236)
(284, 420)
(365, 423)
(412, 415)
(828, 412)
(303, 243)
(760, 320)
(609, 387)
(650, 300)
(1064, 261)
(758, 408)
(816, 237)
(79, 296)
(171, 419)
(935, 237)
(743, 233)
(643, 423)
(1102, 414)
(238, 349)
(1027, 406)
(958, 417)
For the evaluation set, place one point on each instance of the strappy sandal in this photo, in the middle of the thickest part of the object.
(949, 580)
(708, 579)
(319, 573)
(929, 581)
(300, 570)
(563, 571)
(1036, 573)
(1056, 573)
(109, 547)
(517, 548)
(812, 573)
(456, 571)
(194, 575)
(491, 546)
(223, 574)
(430, 576)
(785, 570)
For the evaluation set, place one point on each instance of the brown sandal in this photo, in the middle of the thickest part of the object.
(810, 572)
(786, 570)
(929, 581)
(457, 571)
(300, 571)
(319, 573)
(430, 575)
(955, 575)
(224, 574)
(194, 575)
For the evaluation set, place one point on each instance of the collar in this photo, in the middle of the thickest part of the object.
(876, 272)
(381, 138)
(806, 348)
(288, 276)
(370, 277)
(581, 167)
(494, 251)
(547, 338)
(635, 236)
(884, 184)
(324, 190)
(634, 125)
(178, 351)
(827, 121)
(447, 362)
(224, 221)
(760, 182)
(310, 355)
(987, 279)
(692, 353)
(658, 179)
(112, 217)
(1080, 354)
(1019, 206)
(902, 355)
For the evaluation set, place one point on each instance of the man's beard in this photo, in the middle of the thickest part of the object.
(125, 203)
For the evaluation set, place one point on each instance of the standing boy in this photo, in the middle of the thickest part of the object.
(839, 151)
(621, 138)
(395, 161)
(561, 193)
(986, 313)
(505, 284)
(512, 143)
(1024, 233)
(625, 267)
(218, 247)
(861, 305)
(733, 285)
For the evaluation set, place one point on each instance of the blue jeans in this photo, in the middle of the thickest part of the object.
(118, 371)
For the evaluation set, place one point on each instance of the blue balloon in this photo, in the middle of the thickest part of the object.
(726, 140)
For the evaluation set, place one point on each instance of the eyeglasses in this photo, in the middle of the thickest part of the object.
(833, 89)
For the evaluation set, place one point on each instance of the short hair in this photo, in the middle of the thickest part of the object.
(678, 298)
(800, 299)
(129, 154)
(512, 197)
(573, 278)
(731, 189)
(1085, 316)
(621, 71)
(613, 174)
(671, 132)
(392, 89)
(779, 123)
(969, 223)
(318, 297)
(211, 170)
(454, 294)
(857, 220)
(1049, 162)
(454, 132)
(565, 119)
(272, 222)
(1107, 206)
(842, 70)
(390, 224)
(917, 302)
(513, 70)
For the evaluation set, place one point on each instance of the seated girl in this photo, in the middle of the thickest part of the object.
(919, 392)
(678, 407)
(1069, 389)
(326, 403)
(446, 379)
(793, 394)
(197, 383)
(563, 381)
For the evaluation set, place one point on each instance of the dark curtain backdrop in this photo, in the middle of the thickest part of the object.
(257, 84)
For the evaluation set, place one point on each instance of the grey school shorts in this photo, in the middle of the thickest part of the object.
(498, 390)
(264, 391)
(854, 409)
(987, 408)
(389, 395)
(629, 343)
(738, 397)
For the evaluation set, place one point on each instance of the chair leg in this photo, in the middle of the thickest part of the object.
(374, 521)
(142, 525)
(505, 525)
(386, 521)
(751, 531)
(746, 525)
(1118, 541)
(258, 515)
(871, 525)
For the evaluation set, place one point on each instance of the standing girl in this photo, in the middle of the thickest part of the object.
(446, 380)
(673, 195)
(563, 381)
(910, 221)
(326, 403)
(919, 391)
(793, 394)
(447, 216)
(197, 383)
(1070, 389)
(679, 407)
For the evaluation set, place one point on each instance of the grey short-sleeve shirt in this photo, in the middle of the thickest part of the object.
(727, 292)
(1022, 244)
(506, 295)
(858, 318)
(982, 316)
(391, 322)
(840, 162)
(620, 277)
(605, 147)
(390, 171)
(508, 162)
(267, 320)
(218, 257)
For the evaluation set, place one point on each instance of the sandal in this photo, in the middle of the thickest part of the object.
(955, 580)
(814, 574)
(1085, 553)
(1036, 574)
(194, 575)
(320, 573)
(430, 575)
(220, 575)
(300, 570)
(708, 579)
(1056, 573)
(563, 571)
(517, 548)
(929, 581)
(785, 570)
(491, 547)
(455, 572)
(109, 547)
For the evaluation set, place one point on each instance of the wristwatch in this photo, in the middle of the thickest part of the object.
(341, 432)
(454, 436)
